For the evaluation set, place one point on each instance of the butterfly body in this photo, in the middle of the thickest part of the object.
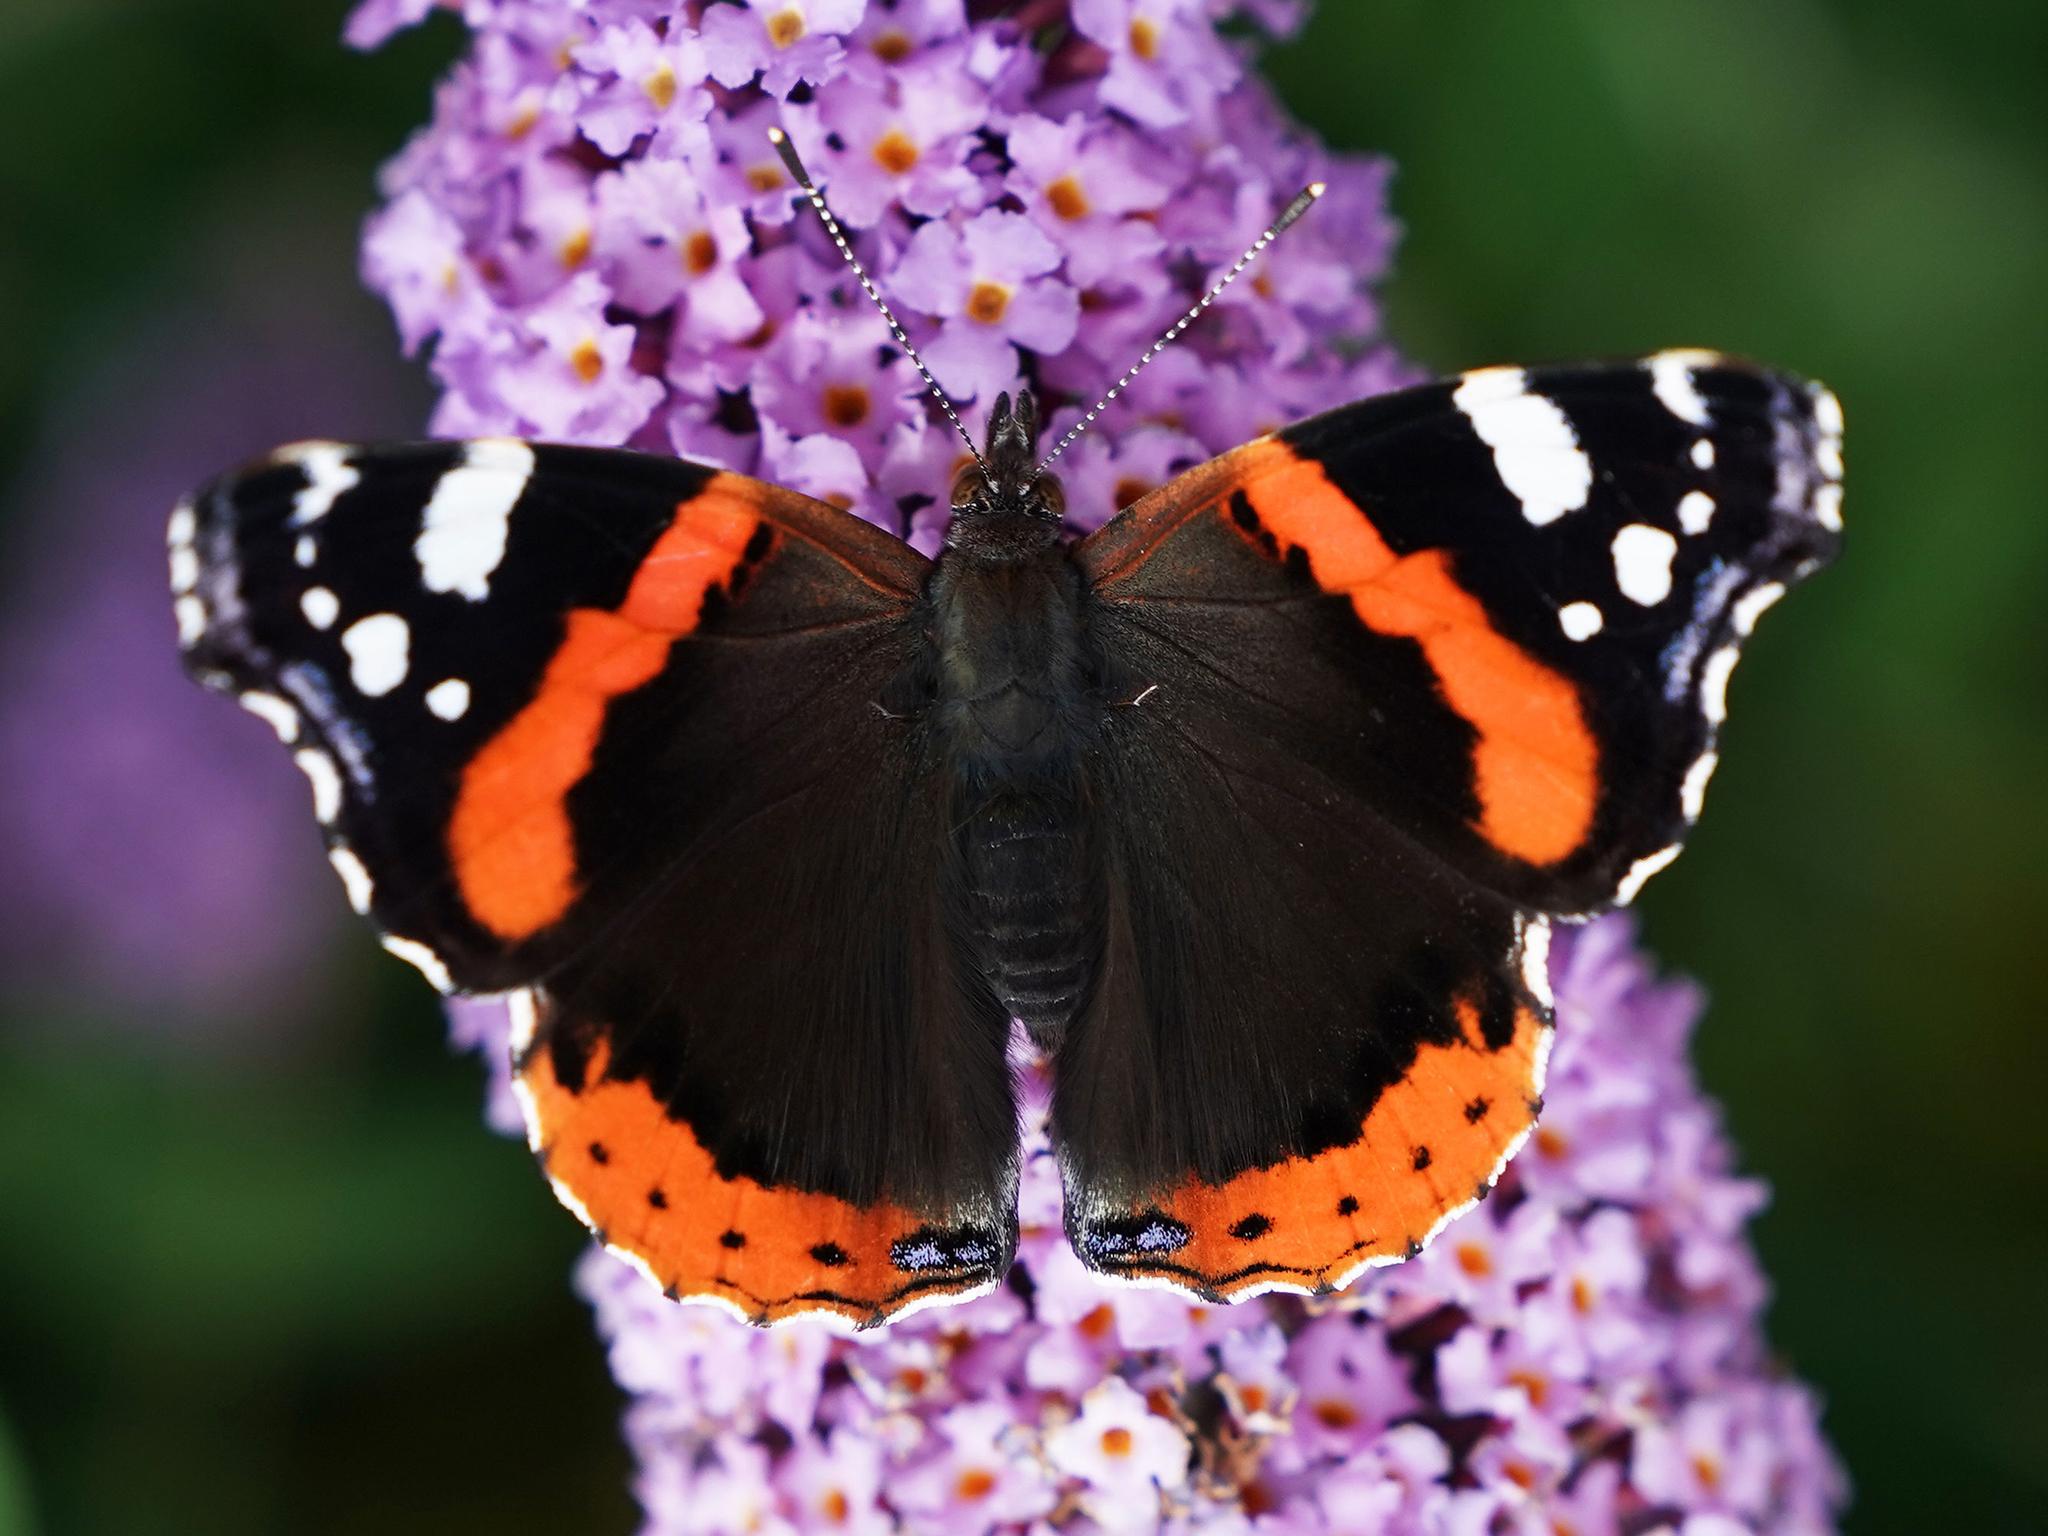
(1014, 704)
(1255, 806)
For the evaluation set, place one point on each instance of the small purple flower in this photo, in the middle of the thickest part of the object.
(781, 41)
(991, 285)
(1121, 1454)
(649, 85)
(1166, 64)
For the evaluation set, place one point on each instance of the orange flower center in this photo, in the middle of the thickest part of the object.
(1551, 1144)
(975, 1483)
(846, 405)
(522, 121)
(1475, 1260)
(835, 1507)
(1335, 1413)
(660, 87)
(700, 253)
(1145, 38)
(586, 360)
(1097, 1322)
(765, 176)
(895, 152)
(576, 249)
(988, 303)
(1582, 1294)
(892, 47)
(785, 26)
(1067, 198)
(1708, 1470)
(1116, 1441)
(1535, 1386)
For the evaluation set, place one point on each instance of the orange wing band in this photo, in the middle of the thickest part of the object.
(1432, 1144)
(1536, 765)
(510, 838)
(644, 1183)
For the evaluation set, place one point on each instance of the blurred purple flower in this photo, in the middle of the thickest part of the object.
(160, 865)
(599, 243)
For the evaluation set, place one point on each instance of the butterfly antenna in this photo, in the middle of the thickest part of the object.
(1304, 200)
(788, 153)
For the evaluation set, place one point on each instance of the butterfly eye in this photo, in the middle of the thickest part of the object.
(968, 485)
(1053, 496)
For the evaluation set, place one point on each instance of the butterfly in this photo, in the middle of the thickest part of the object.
(1253, 808)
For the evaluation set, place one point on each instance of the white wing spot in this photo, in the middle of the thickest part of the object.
(1827, 506)
(321, 773)
(524, 1008)
(417, 954)
(1639, 874)
(1535, 452)
(1642, 563)
(463, 531)
(328, 474)
(1672, 381)
(275, 713)
(1703, 453)
(184, 568)
(320, 606)
(1536, 961)
(354, 878)
(1754, 603)
(449, 699)
(191, 616)
(1580, 621)
(305, 552)
(1827, 411)
(183, 527)
(1695, 511)
(378, 652)
(1692, 794)
(1714, 684)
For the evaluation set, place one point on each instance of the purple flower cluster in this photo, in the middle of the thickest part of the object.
(1579, 1354)
(599, 241)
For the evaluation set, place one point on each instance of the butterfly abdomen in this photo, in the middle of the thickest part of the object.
(1027, 887)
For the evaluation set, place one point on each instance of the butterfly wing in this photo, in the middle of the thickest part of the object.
(605, 730)
(1411, 678)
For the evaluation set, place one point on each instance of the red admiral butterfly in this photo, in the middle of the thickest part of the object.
(1253, 807)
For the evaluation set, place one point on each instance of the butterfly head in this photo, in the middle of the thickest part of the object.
(1004, 494)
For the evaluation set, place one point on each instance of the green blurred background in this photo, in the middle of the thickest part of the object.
(260, 1267)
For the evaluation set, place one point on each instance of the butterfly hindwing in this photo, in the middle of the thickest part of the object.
(1397, 685)
(605, 729)
(1310, 1040)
